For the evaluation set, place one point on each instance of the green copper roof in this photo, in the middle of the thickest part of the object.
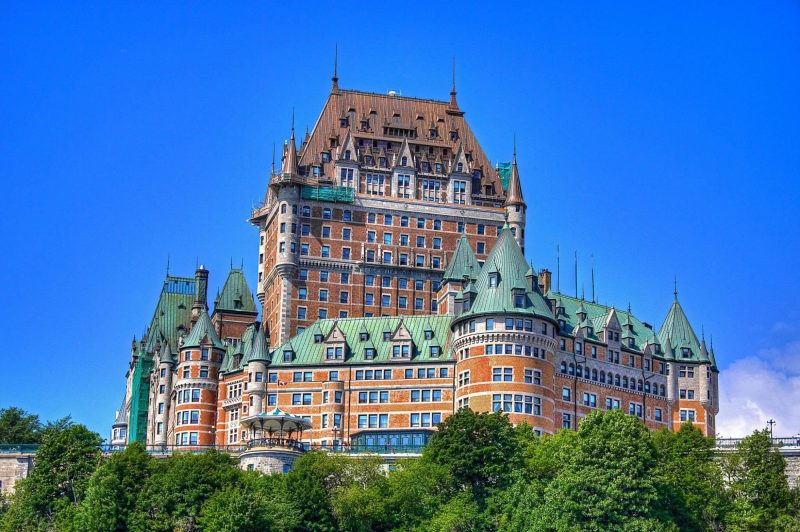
(203, 329)
(173, 313)
(681, 336)
(235, 357)
(463, 264)
(598, 315)
(507, 262)
(236, 295)
(308, 352)
(259, 349)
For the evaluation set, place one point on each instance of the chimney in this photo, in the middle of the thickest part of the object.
(545, 279)
(200, 292)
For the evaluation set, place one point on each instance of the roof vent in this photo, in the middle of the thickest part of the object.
(392, 93)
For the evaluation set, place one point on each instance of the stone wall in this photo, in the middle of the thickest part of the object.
(268, 460)
(13, 466)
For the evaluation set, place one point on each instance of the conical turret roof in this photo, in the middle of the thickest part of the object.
(677, 329)
(203, 329)
(508, 263)
(514, 191)
(463, 265)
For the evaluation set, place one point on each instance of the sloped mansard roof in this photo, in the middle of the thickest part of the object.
(236, 295)
(463, 265)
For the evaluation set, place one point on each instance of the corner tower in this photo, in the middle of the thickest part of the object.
(515, 204)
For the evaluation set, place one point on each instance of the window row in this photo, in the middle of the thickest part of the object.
(517, 403)
(612, 379)
(515, 349)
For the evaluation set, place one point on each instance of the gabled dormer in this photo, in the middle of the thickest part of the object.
(404, 159)
(402, 343)
(335, 345)
(347, 151)
(460, 166)
(612, 327)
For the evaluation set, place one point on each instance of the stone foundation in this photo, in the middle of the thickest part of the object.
(268, 460)
(13, 467)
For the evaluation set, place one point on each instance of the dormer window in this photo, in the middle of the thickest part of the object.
(343, 122)
(387, 336)
(315, 171)
(460, 167)
(454, 135)
(334, 353)
(493, 280)
(368, 160)
(382, 162)
(365, 124)
(589, 331)
(562, 324)
(404, 161)
(435, 351)
(519, 299)
(326, 156)
(288, 356)
(369, 353)
(363, 337)
(428, 334)
(317, 338)
(425, 167)
(686, 352)
(657, 349)
(346, 155)
(631, 342)
(434, 133)
(401, 351)
(438, 168)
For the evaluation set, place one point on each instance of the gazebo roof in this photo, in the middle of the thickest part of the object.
(276, 421)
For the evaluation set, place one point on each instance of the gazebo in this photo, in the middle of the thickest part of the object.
(274, 441)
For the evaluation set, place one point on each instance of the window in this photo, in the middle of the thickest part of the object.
(590, 399)
(326, 213)
(203, 372)
(463, 378)
(657, 414)
(566, 421)
(565, 394)
(502, 374)
(323, 294)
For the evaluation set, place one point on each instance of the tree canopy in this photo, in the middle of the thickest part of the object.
(478, 473)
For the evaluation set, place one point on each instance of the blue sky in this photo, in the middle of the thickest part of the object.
(661, 138)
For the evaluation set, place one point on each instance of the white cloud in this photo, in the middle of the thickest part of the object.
(757, 388)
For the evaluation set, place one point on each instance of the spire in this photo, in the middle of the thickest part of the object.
(290, 161)
(514, 191)
(453, 102)
(463, 264)
(335, 78)
(675, 291)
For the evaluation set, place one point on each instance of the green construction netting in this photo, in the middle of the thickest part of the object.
(504, 169)
(323, 193)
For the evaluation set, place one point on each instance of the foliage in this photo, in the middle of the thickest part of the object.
(49, 497)
(481, 450)
(113, 491)
(18, 426)
(255, 503)
(477, 474)
(177, 487)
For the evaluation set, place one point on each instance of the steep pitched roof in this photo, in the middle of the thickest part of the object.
(463, 265)
(382, 107)
(203, 329)
(514, 191)
(259, 349)
(508, 262)
(173, 312)
(678, 330)
(307, 351)
(236, 295)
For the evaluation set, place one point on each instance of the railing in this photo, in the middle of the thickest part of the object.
(277, 442)
(729, 443)
(371, 449)
(26, 448)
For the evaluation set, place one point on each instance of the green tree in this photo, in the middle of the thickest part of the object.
(57, 483)
(113, 490)
(359, 503)
(417, 488)
(177, 487)
(18, 426)
(258, 502)
(462, 513)
(609, 481)
(481, 450)
(691, 478)
(759, 487)
(310, 483)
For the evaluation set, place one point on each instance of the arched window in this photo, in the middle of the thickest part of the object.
(647, 387)
(594, 374)
(572, 369)
(283, 208)
(404, 161)
(346, 155)
(663, 391)
(616, 380)
(639, 385)
(579, 371)
(294, 209)
(563, 367)
(624, 382)
(460, 167)
(603, 376)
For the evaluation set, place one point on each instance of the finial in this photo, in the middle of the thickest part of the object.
(292, 122)
(703, 333)
(167, 263)
(558, 268)
(576, 274)
(335, 77)
(242, 263)
(675, 292)
(273, 158)
(629, 307)
(515, 147)
(594, 299)
(453, 89)
(231, 262)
